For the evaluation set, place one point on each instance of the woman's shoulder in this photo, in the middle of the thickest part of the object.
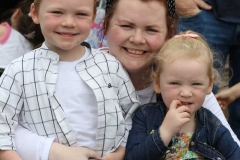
(103, 55)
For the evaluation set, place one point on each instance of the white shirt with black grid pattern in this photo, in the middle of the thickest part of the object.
(27, 89)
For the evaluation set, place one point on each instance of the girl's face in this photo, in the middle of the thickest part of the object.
(136, 33)
(64, 24)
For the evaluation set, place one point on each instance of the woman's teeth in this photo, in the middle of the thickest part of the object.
(135, 51)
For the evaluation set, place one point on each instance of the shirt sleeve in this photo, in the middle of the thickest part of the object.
(32, 146)
(10, 105)
(129, 101)
(211, 103)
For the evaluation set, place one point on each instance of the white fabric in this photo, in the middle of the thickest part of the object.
(33, 147)
(27, 89)
(15, 46)
(147, 95)
(78, 102)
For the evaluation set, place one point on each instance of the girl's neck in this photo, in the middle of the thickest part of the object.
(140, 80)
(190, 126)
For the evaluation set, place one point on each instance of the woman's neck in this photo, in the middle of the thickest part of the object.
(140, 80)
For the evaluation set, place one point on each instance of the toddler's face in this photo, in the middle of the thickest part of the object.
(186, 81)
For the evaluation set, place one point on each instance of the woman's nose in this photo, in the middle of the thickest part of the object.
(137, 37)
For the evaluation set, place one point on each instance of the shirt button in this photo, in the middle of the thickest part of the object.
(192, 143)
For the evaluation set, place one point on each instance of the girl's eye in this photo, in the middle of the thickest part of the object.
(81, 14)
(57, 12)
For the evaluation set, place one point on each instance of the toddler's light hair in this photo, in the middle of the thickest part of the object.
(185, 46)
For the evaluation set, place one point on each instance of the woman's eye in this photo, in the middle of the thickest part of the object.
(152, 30)
(126, 26)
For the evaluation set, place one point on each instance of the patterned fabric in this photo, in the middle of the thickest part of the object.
(27, 89)
(171, 7)
(96, 37)
(180, 145)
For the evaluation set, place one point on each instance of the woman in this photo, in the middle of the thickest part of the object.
(136, 31)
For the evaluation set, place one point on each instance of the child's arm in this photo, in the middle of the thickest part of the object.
(225, 144)
(175, 118)
(227, 96)
(62, 152)
(9, 155)
(116, 155)
(142, 145)
(32, 146)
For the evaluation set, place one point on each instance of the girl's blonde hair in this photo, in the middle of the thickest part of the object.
(186, 45)
(38, 2)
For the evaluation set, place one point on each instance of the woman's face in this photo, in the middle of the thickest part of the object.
(136, 33)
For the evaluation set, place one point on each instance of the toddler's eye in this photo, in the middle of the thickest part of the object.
(196, 84)
(174, 83)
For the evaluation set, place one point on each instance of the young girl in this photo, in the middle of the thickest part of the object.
(65, 91)
(178, 127)
(18, 33)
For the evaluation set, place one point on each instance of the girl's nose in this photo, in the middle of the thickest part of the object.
(137, 37)
(68, 21)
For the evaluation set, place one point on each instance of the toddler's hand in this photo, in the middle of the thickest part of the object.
(175, 118)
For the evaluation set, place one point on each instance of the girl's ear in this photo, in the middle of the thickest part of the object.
(34, 14)
(156, 86)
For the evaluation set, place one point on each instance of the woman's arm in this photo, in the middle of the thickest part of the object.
(211, 103)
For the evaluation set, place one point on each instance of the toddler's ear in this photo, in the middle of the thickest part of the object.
(210, 85)
(156, 86)
(34, 14)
